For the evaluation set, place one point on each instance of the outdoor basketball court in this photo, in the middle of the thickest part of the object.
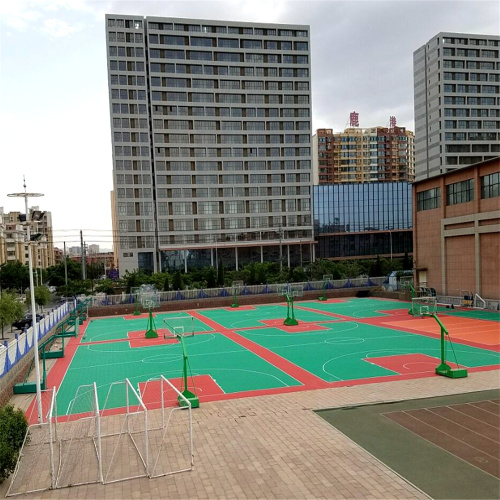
(248, 351)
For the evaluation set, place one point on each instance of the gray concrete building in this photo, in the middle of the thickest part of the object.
(457, 102)
(211, 135)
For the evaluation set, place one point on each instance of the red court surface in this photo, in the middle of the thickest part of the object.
(407, 363)
(300, 328)
(471, 331)
(206, 389)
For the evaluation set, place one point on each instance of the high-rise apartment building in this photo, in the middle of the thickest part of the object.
(457, 102)
(211, 134)
(13, 238)
(376, 154)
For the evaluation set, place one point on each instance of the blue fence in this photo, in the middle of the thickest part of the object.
(12, 352)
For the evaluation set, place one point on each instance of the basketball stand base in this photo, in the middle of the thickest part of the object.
(446, 371)
(192, 398)
(151, 334)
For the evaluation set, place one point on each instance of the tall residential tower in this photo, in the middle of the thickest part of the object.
(211, 125)
(457, 102)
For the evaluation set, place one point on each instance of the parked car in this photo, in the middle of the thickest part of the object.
(20, 324)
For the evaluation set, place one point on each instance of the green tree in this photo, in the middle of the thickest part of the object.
(177, 283)
(14, 276)
(211, 277)
(13, 428)
(105, 286)
(56, 274)
(10, 309)
(220, 274)
(166, 283)
(42, 296)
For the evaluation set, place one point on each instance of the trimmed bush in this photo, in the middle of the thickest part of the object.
(13, 427)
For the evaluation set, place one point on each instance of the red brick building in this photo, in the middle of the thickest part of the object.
(456, 224)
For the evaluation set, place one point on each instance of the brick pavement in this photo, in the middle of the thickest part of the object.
(277, 447)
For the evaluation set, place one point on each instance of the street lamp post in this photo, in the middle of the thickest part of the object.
(26, 195)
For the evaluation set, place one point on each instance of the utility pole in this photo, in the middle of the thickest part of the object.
(84, 271)
(26, 195)
(65, 266)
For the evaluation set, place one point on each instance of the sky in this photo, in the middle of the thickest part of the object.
(54, 107)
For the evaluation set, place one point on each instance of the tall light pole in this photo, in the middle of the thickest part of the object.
(26, 195)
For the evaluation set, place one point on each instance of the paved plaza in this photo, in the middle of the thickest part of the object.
(277, 447)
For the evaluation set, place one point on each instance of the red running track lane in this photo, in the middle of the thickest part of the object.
(303, 376)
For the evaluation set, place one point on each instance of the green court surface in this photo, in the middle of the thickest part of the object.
(233, 367)
(339, 353)
(358, 308)
(247, 350)
(471, 313)
(250, 318)
(117, 328)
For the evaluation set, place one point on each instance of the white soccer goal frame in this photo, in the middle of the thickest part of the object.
(133, 399)
(174, 330)
(167, 414)
(45, 432)
(423, 306)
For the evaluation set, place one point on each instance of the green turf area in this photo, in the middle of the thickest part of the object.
(440, 474)
(233, 367)
(356, 308)
(251, 318)
(337, 354)
(117, 328)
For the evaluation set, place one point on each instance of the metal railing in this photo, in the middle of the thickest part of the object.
(210, 293)
(12, 352)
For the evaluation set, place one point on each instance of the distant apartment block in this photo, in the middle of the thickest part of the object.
(211, 136)
(457, 102)
(376, 154)
(13, 239)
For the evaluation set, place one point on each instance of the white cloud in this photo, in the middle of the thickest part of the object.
(57, 28)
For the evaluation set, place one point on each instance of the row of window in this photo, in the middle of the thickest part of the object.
(222, 70)
(178, 193)
(472, 124)
(197, 83)
(470, 41)
(473, 113)
(221, 125)
(226, 112)
(219, 70)
(221, 138)
(469, 64)
(459, 192)
(228, 179)
(232, 43)
(473, 77)
(471, 101)
(193, 55)
(216, 152)
(470, 136)
(472, 148)
(447, 51)
(211, 97)
(472, 89)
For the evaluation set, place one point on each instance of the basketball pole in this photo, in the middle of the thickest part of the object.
(151, 332)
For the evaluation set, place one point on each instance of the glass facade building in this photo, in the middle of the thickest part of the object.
(363, 220)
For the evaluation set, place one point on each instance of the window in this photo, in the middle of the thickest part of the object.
(428, 200)
(460, 192)
(490, 185)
